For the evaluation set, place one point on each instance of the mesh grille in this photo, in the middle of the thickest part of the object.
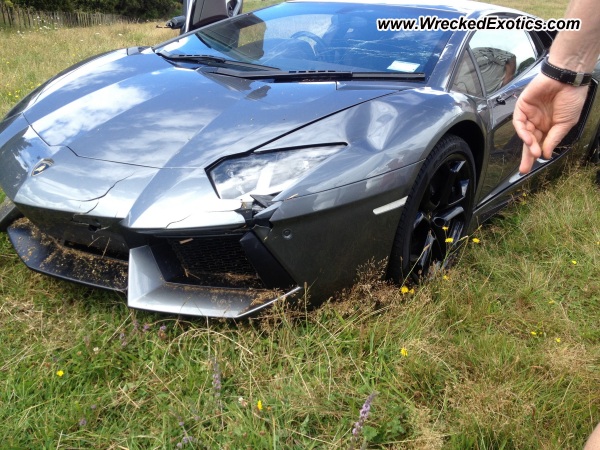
(215, 261)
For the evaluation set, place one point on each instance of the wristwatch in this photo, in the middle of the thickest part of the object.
(564, 75)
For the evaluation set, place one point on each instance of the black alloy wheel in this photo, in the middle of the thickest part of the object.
(437, 212)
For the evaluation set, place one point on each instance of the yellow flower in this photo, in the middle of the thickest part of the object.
(573, 262)
(445, 277)
(404, 352)
(449, 240)
(557, 340)
(412, 291)
(259, 405)
(60, 373)
(476, 241)
(533, 333)
(551, 302)
(404, 290)
(445, 228)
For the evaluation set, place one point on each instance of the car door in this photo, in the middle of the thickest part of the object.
(202, 12)
(504, 60)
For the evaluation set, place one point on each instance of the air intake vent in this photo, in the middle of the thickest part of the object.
(215, 261)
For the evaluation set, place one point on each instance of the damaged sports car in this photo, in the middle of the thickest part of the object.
(272, 152)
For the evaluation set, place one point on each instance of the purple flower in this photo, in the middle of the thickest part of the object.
(216, 378)
(163, 328)
(123, 340)
(216, 382)
(82, 422)
(146, 327)
(186, 440)
(362, 418)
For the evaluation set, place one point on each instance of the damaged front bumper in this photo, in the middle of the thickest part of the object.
(154, 278)
(166, 238)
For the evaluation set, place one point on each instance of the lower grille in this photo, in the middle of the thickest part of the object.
(215, 261)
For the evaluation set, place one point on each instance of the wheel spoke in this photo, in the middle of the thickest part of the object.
(443, 218)
(448, 185)
(421, 217)
(422, 260)
(427, 203)
(463, 189)
(456, 231)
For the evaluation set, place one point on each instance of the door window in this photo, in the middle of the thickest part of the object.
(501, 56)
(466, 79)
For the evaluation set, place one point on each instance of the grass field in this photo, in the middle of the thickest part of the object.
(501, 352)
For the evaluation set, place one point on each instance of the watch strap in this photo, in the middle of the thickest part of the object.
(564, 75)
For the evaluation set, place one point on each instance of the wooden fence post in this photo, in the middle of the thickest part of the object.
(23, 18)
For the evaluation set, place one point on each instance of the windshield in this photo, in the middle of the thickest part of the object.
(301, 36)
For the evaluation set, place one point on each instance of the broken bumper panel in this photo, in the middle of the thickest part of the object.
(45, 254)
(152, 277)
(149, 290)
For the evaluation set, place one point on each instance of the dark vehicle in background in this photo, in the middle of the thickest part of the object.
(241, 162)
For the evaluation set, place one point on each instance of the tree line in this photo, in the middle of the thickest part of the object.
(139, 9)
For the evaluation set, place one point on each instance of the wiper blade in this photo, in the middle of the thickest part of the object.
(317, 75)
(208, 59)
(212, 60)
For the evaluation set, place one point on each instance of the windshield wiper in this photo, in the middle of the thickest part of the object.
(316, 75)
(211, 60)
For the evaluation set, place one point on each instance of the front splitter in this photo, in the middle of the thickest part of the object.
(141, 277)
(149, 290)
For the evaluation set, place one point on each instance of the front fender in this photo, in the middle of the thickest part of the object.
(380, 136)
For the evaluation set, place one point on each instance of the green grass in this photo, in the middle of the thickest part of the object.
(500, 352)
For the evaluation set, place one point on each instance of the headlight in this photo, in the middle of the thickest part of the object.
(266, 173)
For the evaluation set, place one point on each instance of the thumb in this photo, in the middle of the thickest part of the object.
(553, 138)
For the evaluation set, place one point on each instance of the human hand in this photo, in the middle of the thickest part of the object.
(545, 112)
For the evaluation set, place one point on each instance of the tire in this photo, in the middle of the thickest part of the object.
(438, 209)
(595, 152)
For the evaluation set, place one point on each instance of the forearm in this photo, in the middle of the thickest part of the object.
(578, 50)
(593, 442)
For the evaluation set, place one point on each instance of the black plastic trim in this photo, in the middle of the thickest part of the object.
(271, 273)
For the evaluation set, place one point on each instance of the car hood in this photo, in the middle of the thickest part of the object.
(140, 109)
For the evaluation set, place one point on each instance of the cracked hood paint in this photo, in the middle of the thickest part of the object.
(140, 109)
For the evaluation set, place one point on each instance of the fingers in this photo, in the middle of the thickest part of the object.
(520, 123)
(554, 137)
(527, 160)
(531, 137)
